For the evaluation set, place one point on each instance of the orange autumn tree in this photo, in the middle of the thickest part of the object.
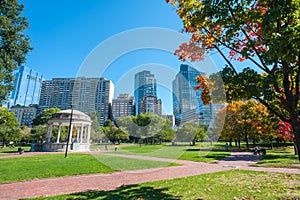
(264, 32)
(247, 120)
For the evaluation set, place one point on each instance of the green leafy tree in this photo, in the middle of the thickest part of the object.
(190, 132)
(147, 126)
(9, 130)
(265, 33)
(14, 44)
(97, 133)
(115, 134)
(38, 133)
(167, 133)
(25, 133)
(43, 117)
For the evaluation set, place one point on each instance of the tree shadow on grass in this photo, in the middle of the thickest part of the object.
(277, 158)
(126, 192)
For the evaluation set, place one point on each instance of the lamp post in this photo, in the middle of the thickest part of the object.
(69, 133)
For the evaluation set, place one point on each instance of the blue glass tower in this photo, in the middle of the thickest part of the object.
(187, 101)
(27, 87)
(144, 85)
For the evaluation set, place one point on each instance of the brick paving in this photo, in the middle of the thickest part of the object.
(111, 181)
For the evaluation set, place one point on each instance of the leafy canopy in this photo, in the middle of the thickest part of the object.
(14, 43)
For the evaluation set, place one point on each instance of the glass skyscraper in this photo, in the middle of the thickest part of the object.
(144, 85)
(186, 99)
(27, 87)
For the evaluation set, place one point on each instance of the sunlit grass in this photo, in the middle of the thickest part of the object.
(55, 165)
(227, 185)
(280, 157)
(182, 152)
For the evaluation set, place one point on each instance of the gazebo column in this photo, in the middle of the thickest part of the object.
(49, 134)
(81, 133)
(89, 134)
(58, 134)
(78, 133)
(71, 131)
(85, 134)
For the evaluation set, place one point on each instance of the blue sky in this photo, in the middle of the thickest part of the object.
(65, 33)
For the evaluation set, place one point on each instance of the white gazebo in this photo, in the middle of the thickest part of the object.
(79, 139)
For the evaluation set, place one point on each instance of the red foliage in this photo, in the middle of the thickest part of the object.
(285, 131)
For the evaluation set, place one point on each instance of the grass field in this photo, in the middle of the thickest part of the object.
(280, 157)
(181, 152)
(55, 165)
(220, 185)
(12, 150)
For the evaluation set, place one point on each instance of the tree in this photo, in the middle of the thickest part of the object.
(14, 44)
(248, 120)
(167, 133)
(43, 117)
(25, 133)
(38, 133)
(266, 33)
(115, 134)
(190, 132)
(97, 133)
(9, 130)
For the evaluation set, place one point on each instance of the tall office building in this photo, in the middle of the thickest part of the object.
(83, 94)
(144, 85)
(150, 104)
(27, 87)
(209, 113)
(122, 106)
(103, 99)
(187, 103)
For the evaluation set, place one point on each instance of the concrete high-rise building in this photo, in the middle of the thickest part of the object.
(144, 85)
(122, 106)
(83, 94)
(150, 104)
(25, 114)
(103, 99)
(27, 88)
(187, 103)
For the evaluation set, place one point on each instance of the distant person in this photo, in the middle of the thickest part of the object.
(226, 145)
(257, 150)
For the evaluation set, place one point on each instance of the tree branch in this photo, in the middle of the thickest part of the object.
(273, 110)
(226, 59)
(266, 69)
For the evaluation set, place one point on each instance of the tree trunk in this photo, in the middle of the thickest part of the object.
(246, 139)
(296, 128)
(271, 145)
(239, 142)
(236, 145)
(194, 142)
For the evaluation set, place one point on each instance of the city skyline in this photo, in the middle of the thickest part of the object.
(63, 41)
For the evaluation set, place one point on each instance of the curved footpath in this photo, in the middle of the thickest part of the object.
(111, 181)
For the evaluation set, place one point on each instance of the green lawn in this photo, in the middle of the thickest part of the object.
(280, 157)
(55, 165)
(203, 156)
(220, 185)
(122, 163)
(181, 152)
(13, 150)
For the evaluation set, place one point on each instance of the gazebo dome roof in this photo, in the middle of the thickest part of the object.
(65, 114)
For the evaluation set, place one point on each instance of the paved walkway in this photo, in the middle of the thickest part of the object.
(111, 181)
